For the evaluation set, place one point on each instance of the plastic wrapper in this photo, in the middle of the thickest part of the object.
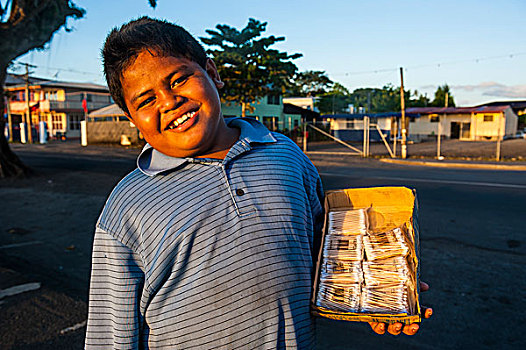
(340, 247)
(388, 244)
(390, 298)
(348, 222)
(339, 296)
(347, 271)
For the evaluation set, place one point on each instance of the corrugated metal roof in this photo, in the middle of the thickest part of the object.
(108, 111)
(511, 103)
(17, 81)
(12, 80)
(456, 110)
(370, 115)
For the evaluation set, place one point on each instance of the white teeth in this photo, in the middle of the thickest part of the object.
(180, 120)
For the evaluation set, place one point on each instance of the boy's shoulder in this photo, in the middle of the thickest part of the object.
(256, 133)
(123, 197)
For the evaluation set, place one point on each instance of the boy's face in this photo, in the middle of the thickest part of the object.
(174, 103)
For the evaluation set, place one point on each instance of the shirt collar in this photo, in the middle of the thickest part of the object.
(152, 162)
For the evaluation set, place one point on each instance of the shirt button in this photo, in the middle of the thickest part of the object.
(240, 192)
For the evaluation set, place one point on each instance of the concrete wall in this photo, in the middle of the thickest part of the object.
(111, 131)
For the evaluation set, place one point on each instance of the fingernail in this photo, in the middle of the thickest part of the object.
(397, 328)
(415, 329)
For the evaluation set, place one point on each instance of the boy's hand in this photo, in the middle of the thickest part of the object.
(397, 328)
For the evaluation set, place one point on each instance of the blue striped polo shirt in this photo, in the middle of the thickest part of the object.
(196, 253)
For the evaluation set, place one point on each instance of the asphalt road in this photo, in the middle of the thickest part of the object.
(472, 239)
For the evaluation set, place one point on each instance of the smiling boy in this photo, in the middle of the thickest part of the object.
(209, 243)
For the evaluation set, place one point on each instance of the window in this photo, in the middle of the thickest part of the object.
(349, 124)
(273, 99)
(74, 121)
(296, 123)
(57, 122)
(412, 119)
(434, 118)
(488, 118)
(271, 123)
(51, 95)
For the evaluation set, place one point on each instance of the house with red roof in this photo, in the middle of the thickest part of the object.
(479, 123)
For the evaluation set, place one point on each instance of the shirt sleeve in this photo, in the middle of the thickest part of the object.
(117, 282)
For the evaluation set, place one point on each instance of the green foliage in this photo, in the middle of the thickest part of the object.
(310, 83)
(374, 100)
(247, 64)
(440, 97)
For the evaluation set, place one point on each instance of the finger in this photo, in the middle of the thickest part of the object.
(378, 327)
(395, 328)
(411, 329)
(424, 287)
(428, 312)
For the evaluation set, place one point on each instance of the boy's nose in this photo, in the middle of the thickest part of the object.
(170, 102)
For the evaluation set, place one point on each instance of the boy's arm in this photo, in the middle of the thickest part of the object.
(116, 286)
(316, 199)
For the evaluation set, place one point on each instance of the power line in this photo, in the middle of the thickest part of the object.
(438, 65)
(60, 69)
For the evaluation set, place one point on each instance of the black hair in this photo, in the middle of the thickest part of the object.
(124, 44)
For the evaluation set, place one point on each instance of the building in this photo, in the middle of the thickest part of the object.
(269, 110)
(303, 102)
(518, 107)
(350, 127)
(464, 123)
(110, 125)
(62, 105)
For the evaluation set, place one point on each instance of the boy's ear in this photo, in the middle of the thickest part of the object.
(212, 72)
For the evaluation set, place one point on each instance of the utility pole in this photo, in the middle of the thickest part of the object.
(305, 135)
(497, 156)
(440, 128)
(402, 103)
(395, 135)
(28, 115)
(9, 120)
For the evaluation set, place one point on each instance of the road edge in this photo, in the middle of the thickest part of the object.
(455, 165)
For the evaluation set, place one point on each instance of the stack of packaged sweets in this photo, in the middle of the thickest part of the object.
(366, 268)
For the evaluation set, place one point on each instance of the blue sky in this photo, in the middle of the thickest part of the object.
(477, 47)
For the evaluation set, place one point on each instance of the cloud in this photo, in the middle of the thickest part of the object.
(491, 88)
(428, 87)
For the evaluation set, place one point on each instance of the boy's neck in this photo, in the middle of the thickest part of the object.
(228, 138)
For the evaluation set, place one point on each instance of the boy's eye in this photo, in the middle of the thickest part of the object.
(145, 102)
(179, 81)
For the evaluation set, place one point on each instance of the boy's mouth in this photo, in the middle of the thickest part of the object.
(178, 123)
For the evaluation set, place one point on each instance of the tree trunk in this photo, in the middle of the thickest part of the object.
(30, 25)
(243, 109)
(10, 164)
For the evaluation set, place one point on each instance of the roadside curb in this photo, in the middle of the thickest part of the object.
(455, 165)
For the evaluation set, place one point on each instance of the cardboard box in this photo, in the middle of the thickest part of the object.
(389, 212)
